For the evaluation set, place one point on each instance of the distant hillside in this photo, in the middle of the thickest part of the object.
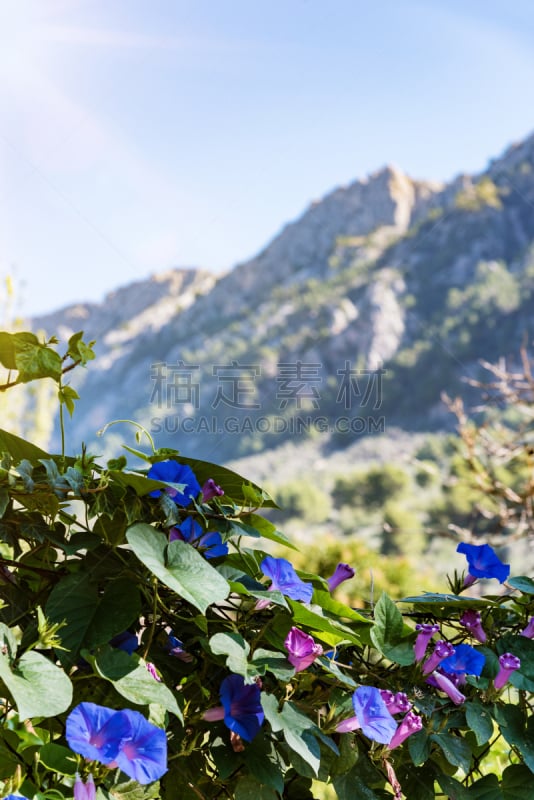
(352, 320)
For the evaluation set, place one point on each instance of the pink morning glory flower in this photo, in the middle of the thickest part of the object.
(210, 490)
(445, 684)
(396, 703)
(84, 791)
(302, 649)
(508, 663)
(472, 620)
(442, 650)
(425, 633)
(343, 572)
(411, 723)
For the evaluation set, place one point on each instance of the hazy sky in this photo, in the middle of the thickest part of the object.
(138, 135)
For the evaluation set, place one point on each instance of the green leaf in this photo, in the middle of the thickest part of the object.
(512, 723)
(522, 583)
(446, 601)
(264, 763)
(139, 483)
(7, 350)
(350, 786)
(236, 649)
(179, 566)
(479, 720)
(387, 632)
(231, 483)
(274, 662)
(133, 681)
(67, 396)
(8, 643)
(337, 609)
(487, 788)
(297, 729)
(419, 747)
(265, 528)
(38, 687)
(517, 783)
(58, 759)
(78, 350)
(315, 621)
(4, 500)
(19, 449)
(248, 788)
(452, 787)
(35, 360)
(90, 620)
(455, 749)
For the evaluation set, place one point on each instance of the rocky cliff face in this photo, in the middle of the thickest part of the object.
(420, 278)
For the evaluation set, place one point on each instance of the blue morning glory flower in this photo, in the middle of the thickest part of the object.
(122, 739)
(243, 712)
(464, 661)
(191, 531)
(483, 562)
(172, 472)
(375, 720)
(143, 754)
(241, 708)
(285, 579)
(15, 797)
(126, 641)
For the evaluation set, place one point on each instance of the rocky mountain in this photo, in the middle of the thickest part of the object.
(352, 321)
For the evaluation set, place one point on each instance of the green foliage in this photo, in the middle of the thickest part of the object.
(481, 194)
(303, 500)
(372, 488)
(87, 555)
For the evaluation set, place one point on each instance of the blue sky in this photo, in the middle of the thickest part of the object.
(136, 136)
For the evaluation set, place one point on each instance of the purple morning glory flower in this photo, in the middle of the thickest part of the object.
(84, 791)
(209, 542)
(343, 572)
(442, 650)
(472, 620)
(529, 630)
(372, 713)
(483, 562)
(241, 707)
(302, 649)
(285, 579)
(464, 661)
(508, 664)
(425, 632)
(411, 723)
(445, 684)
(395, 703)
(175, 648)
(172, 472)
(122, 739)
(210, 490)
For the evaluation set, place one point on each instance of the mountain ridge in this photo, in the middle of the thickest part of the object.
(421, 277)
